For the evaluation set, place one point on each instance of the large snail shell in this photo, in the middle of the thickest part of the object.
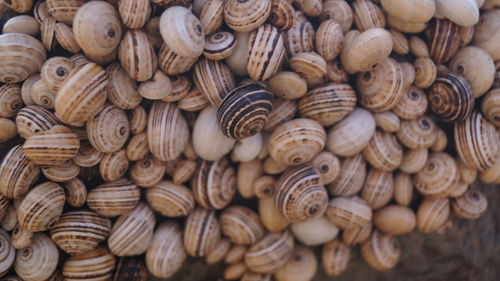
(450, 97)
(414, 160)
(297, 141)
(109, 130)
(97, 265)
(476, 141)
(241, 225)
(329, 37)
(299, 38)
(244, 16)
(34, 119)
(166, 255)
(201, 232)
(61, 173)
(266, 51)
(349, 212)
(335, 257)
(132, 232)
(351, 135)
(350, 177)
(490, 107)
(367, 15)
(7, 253)
(485, 36)
(37, 261)
(403, 189)
(443, 40)
(87, 156)
(244, 111)
(384, 151)
(413, 104)
(395, 220)
(17, 173)
(114, 165)
(417, 133)
(134, 14)
(340, 12)
(462, 12)
(471, 205)
(213, 79)
(439, 176)
(270, 253)
(114, 198)
(77, 232)
(314, 231)
(182, 31)
(137, 55)
(97, 28)
(415, 11)
(432, 214)
(76, 192)
(301, 266)
(170, 200)
(283, 111)
(381, 251)
(20, 56)
(131, 269)
(122, 90)
(328, 103)
(378, 188)
(64, 11)
(282, 14)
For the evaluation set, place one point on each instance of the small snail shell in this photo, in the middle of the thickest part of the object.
(147, 172)
(214, 184)
(413, 104)
(61, 173)
(75, 192)
(48, 29)
(134, 14)
(7, 253)
(462, 12)
(37, 261)
(114, 198)
(335, 257)
(263, 187)
(408, 73)
(378, 189)
(235, 254)
(213, 79)
(247, 149)
(468, 175)
(194, 101)
(432, 214)
(299, 38)
(247, 174)
(170, 200)
(137, 55)
(9, 220)
(272, 167)
(186, 36)
(97, 264)
(381, 251)
(212, 15)
(417, 133)
(235, 271)
(21, 238)
(8, 129)
(87, 156)
(54, 71)
(166, 255)
(287, 85)
(450, 97)
(137, 147)
(244, 16)
(132, 232)
(339, 11)
(439, 176)
(97, 28)
(384, 151)
(302, 266)
(476, 141)
(314, 231)
(64, 11)
(172, 63)
(27, 89)
(356, 235)
(265, 51)
(441, 141)
(490, 107)
(40, 11)
(311, 8)
(443, 40)
(328, 166)
(180, 87)
(201, 232)
(403, 189)
(220, 45)
(10, 100)
(22, 24)
(219, 252)
(388, 121)
(282, 14)
(184, 171)
(253, 276)
(311, 66)
(490, 175)
(368, 15)
(349, 212)
(335, 72)
(82, 94)
(114, 165)
(131, 269)
(418, 47)
(471, 205)
(17, 173)
(122, 89)
(270, 253)
(425, 72)
(395, 220)
(414, 160)
(271, 216)
(350, 177)
(238, 60)
(77, 232)
(329, 37)
(42, 95)
(352, 134)
(66, 39)
(413, 11)
(241, 225)
(328, 103)
(485, 36)
(400, 43)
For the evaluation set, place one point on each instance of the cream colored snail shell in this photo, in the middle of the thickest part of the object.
(314, 231)
(33, 119)
(351, 176)
(432, 214)
(471, 205)
(241, 225)
(349, 212)
(439, 176)
(7, 254)
(75, 192)
(303, 265)
(170, 200)
(113, 198)
(214, 79)
(244, 16)
(37, 261)
(270, 253)
(489, 107)
(384, 151)
(378, 189)
(17, 173)
(122, 89)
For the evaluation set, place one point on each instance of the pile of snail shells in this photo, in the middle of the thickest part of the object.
(131, 127)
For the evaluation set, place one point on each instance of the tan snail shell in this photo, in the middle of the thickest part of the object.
(27, 89)
(48, 29)
(384, 151)
(8, 129)
(213, 79)
(64, 11)
(138, 147)
(351, 176)
(37, 261)
(109, 130)
(131, 269)
(339, 11)
(471, 205)
(400, 43)
(214, 184)
(172, 63)
(212, 15)
(417, 133)
(314, 231)
(237, 61)
(489, 107)
(265, 51)
(287, 85)
(381, 251)
(414, 160)
(450, 97)
(349, 212)
(302, 266)
(9, 220)
(42, 95)
(138, 120)
(97, 264)
(78, 232)
(439, 176)
(122, 89)
(113, 165)
(485, 36)
(263, 187)
(388, 121)
(311, 66)
(66, 39)
(166, 255)
(17, 173)
(134, 14)
(270, 253)
(75, 192)
(247, 174)
(244, 16)
(311, 8)
(395, 220)
(235, 271)
(113, 198)
(300, 37)
(418, 47)
(272, 167)
(432, 214)
(413, 104)
(184, 171)
(218, 252)
(8, 253)
(425, 72)
(10, 100)
(378, 189)
(34, 119)
(247, 149)
(335, 257)
(282, 14)
(235, 254)
(413, 11)
(329, 37)
(137, 55)
(461, 12)
(61, 173)
(170, 200)
(21, 238)
(241, 225)
(356, 235)
(443, 40)
(335, 72)
(367, 15)
(201, 232)
(219, 45)
(54, 71)
(147, 172)
(87, 156)
(40, 11)
(328, 166)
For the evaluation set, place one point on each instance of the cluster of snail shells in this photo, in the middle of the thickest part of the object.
(333, 115)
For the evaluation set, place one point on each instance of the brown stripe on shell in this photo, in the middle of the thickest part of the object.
(201, 232)
(241, 225)
(166, 254)
(450, 97)
(265, 52)
(443, 39)
(97, 265)
(170, 200)
(17, 173)
(270, 253)
(114, 198)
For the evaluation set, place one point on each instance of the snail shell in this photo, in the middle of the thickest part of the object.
(114, 198)
(166, 255)
(270, 253)
(235, 254)
(9, 220)
(272, 167)
(134, 14)
(137, 55)
(247, 149)
(299, 38)
(384, 151)
(477, 67)
(7, 253)
(244, 111)
(468, 175)
(241, 225)
(413, 104)
(432, 214)
(471, 205)
(122, 89)
(265, 52)
(97, 264)
(64, 11)
(40, 11)
(413, 11)
(311, 8)
(170, 200)
(335, 72)
(400, 43)
(214, 184)
(329, 37)
(214, 79)
(138, 120)
(263, 187)
(172, 63)
(417, 133)
(418, 47)
(271, 216)
(79, 59)
(349, 212)
(66, 39)
(87, 156)
(451, 97)
(37, 261)
(439, 176)
(425, 72)
(355, 235)
(132, 232)
(244, 16)
(287, 85)
(314, 231)
(42, 95)
(235, 271)
(311, 66)
(21, 238)
(238, 60)
(75, 192)
(351, 176)
(184, 171)
(328, 103)
(404, 26)
(114, 165)
(282, 14)
(147, 172)
(388, 121)
(443, 40)
(212, 15)
(395, 220)
(8, 129)
(219, 45)
(10, 100)
(378, 189)
(78, 232)
(403, 189)
(48, 29)
(131, 269)
(219, 252)
(247, 174)
(367, 15)
(27, 89)
(109, 130)
(381, 251)
(414, 160)
(328, 166)
(476, 141)
(408, 73)
(485, 36)
(61, 173)
(462, 12)
(339, 11)
(301, 266)
(201, 232)
(54, 71)
(335, 257)
(490, 107)
(17, 173)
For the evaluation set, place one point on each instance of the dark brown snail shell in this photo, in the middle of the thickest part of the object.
(443, 39)
(450, 97)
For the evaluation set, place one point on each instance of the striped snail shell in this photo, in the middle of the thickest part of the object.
(42, 95)
(329, 37)
(351, 176)
(413, 104)
(10, 100)
(378, 188)
(201, 232)
(168, 132)
(8, 129)
(241, 225)
(21, 238)
(328, 166)
(147, 172)
(54, 71)
(367, 15)
(4, 205)
(287, 85)
(270, 253)
(66, 39)
(114, 198)
(52, 147)
(138, 120)
(301, 266)
(235, 254)
(297, 141)
(97, 28)
(172, 63)
(42, 207)
(108, 131)
(97, 264)
(299, 38)
(79, 59)
(335, 72)
(425, 72)
(131, 269)
(244, 16)
(432, 214)
(37, 261)
(335, 257)
(311, 66)
(340, 12)
(7, 253)
(414, 160)
(450, 97)
(166, 255)
(64, 11)
(14, 46)
(137, 55)
(388, 121)
(490, 107)
(417, 133)
(40, 11)
(48, 30)
(283, 111)
(87, 156)
(78, 232)
(439, 176)
(27, 89)
(114, 165)
(356, 235)
(61, 173)
(134, 14)
(17, 173)
(384, 151)
(132, 232)
(247, 174)
(381, 251)
(395, 220)
(218, 252)
(219, 45)
(476, 141)
(314, 231)
(214, 184)
(170, 200)
(300, 194)
(328, 103)
(180, 88)
(311, 8)
(265, 52)
(470, 205)
(244, 111)
(212, 15)
(122, 89)
(75, 192)
(443, 40)
(182, 31)
(349, 212)
(401, 46)
(137, 147)
(282, 14)
(82, 95)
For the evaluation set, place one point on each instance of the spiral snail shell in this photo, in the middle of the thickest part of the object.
(381, 251)
(201, 232)
(335, 257)
(75, 192)
(113, 165)
(340, 12)
(439, 176)
(54, 71)
(66, 38)
(137, 55)
(166, 254)
(64, 11)
(387, 121)
(367, 15)
(220, 45)
(417, 133)
(270, 253)
(17, 173)
(301, 266)
(413, 104)
(282, 14)
(87, 156)
(114, 198)
(470, 205)
(384, 151)
(97, 264)
(300, 37)
(7, 253)
(134, 14)
(244, 16)
(351, 176)
(378, 188)
(443, 40)
(265, 51)
(349, 212)
(451, 97)
(37, 261)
